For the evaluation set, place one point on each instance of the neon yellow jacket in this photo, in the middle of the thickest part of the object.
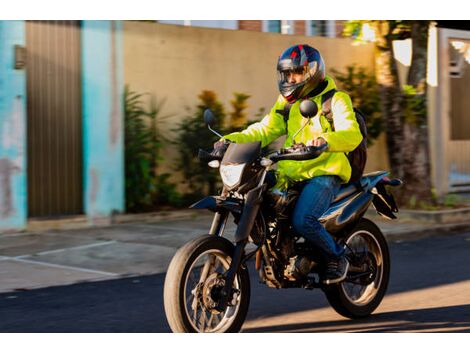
(344, 139)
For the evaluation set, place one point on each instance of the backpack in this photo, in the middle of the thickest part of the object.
(358, 157)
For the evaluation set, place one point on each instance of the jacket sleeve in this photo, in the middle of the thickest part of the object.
(347, 134)
(272, 126)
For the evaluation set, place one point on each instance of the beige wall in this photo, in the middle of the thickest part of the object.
(178, 62)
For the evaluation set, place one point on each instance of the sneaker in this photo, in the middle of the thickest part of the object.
(336, 271)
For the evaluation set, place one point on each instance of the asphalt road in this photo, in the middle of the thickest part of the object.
(429, 291)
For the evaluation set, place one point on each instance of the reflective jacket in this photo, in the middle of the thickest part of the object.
(344, 139)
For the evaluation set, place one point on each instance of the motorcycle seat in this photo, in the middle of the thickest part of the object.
(350, 188)
(345, 190)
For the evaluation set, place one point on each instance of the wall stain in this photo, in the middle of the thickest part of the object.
(94, 185)
(7, 168)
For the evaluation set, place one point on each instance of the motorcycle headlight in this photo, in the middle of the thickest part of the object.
(231, 174)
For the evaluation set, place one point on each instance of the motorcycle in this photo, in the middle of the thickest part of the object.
(207, 285)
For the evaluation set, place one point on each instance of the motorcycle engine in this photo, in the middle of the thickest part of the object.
(283, 202)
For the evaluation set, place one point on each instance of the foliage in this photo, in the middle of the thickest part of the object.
(239, 104)
(415, 105)
(363, 89)
(143, 143)
(192, 135)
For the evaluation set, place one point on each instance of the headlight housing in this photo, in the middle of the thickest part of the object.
(231, 174)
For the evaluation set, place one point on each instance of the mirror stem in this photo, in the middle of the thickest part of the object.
(301, 128)
(215, 132)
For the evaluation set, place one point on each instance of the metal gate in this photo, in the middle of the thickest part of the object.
(54, 118)
(459, 143)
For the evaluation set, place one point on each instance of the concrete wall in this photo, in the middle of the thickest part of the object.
(13, 188)
(103, 145)
(176, 63)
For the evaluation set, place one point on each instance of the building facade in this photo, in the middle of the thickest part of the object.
(323, 28)
(61, 151)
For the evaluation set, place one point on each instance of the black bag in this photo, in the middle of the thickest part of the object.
(358, 157)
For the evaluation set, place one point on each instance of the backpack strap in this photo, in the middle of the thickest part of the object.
(326, 106)
(285, 113)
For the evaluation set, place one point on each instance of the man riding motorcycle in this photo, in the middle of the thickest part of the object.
(301, 75)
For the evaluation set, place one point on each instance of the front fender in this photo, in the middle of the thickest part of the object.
(216, 203)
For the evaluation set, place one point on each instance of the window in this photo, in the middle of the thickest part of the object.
(322, 28)
(273, 26)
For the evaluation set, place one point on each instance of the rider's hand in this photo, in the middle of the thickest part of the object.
(220, 147)
(316, 143)
(219, 144)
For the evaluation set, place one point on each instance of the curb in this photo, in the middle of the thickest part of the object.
(428, 231)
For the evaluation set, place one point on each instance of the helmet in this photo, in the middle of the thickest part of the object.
(300, 59)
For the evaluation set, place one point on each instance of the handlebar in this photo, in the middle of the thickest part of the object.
(206, 156)
(298, 153)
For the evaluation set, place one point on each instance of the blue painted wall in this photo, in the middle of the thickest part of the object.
(13, 176)
(102, 88)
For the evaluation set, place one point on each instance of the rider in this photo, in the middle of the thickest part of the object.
(301, 75)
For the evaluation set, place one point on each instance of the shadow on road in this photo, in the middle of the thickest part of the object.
(453, 318)
(136, 304)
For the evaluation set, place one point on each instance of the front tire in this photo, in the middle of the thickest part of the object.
(359, 299)
(194, 275)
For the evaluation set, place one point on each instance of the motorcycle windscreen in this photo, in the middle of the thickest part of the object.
(242, 153)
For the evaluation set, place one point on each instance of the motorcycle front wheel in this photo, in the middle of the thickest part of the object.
(193, 282)
(359, 295)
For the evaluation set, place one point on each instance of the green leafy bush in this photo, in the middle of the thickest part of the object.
(145, 188)
(192, 134)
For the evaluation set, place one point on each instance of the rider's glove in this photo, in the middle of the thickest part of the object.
(220, 147)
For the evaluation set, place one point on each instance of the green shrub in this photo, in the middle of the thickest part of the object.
(145, 188)
(192, 134)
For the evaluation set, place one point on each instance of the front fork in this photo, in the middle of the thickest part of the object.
(244, 228)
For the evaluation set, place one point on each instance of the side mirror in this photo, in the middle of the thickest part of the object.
(208, 117)
(308, 108)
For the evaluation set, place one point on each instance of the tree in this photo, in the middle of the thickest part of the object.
(238, 118)
(403, 106)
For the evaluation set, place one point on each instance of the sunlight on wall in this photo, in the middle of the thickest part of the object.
(432, 56)
(402, 51)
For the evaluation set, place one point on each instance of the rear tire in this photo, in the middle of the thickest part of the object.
(177, 285)
(341, 296)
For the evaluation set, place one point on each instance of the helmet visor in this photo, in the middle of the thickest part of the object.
(293, 75)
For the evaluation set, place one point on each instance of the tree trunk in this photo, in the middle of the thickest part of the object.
(404, 111)
(416, 147)
(391, 102)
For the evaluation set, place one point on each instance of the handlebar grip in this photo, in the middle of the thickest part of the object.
(206, 156)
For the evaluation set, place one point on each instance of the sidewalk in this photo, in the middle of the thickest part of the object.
(143, 247)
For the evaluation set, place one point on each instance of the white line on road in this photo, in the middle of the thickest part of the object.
(64, 267)
(158, 227)
(67, 248)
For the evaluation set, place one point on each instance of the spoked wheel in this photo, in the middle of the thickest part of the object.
(367, 280)
(193, 285)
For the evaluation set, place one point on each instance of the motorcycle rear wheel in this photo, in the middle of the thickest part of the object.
(191, 283)
(359, 299)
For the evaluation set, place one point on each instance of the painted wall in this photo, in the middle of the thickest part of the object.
(103, 151)
(176, 63)
(13, 190)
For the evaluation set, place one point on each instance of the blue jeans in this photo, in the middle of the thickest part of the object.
(315, 199)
